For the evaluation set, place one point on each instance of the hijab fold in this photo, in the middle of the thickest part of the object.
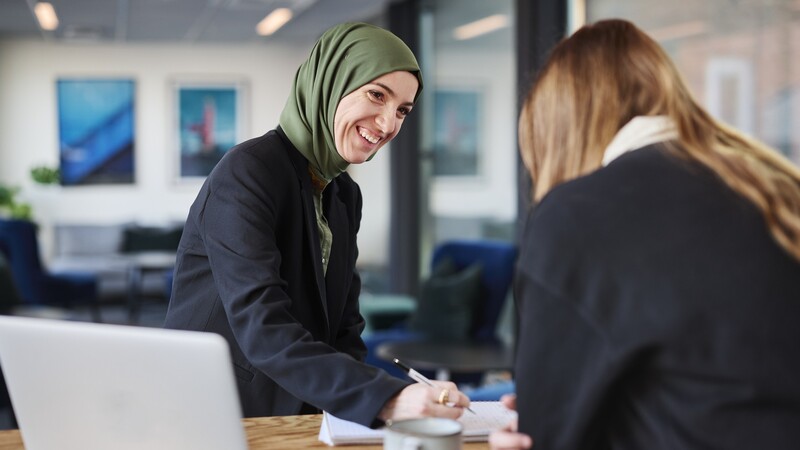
(346, 57)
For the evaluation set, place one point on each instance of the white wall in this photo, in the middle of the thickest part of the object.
(492, 194)
(29, 129)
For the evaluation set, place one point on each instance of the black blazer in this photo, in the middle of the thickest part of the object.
(249, 268)
(656, 312)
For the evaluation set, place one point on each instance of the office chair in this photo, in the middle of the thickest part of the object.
(496, 261)
(37, 286)
(158, 240)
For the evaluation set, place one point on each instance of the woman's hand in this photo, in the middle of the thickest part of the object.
(421, 400)
(508, 438)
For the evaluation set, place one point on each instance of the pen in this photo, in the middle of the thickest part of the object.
(418, 377)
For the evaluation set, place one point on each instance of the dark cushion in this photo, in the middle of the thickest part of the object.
(448, 300)
(140, 239)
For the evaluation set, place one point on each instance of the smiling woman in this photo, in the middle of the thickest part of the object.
(267, 257)
(369, 117)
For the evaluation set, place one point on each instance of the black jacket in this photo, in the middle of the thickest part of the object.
(656, 313)
(249, 268)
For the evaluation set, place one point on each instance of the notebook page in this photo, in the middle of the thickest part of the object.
(488, 416)
(335, 431)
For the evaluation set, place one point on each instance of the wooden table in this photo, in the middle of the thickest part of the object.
(263, 433)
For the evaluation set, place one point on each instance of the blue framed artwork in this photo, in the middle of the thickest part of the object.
(96, 131)
(456, 132)
(209, 122)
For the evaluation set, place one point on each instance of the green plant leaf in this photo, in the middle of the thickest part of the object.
(46, 175)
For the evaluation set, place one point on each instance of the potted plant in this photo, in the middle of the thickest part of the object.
(46, 175)
(10, 206)
(13, 208)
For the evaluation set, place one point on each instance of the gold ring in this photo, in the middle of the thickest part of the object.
(444, 396)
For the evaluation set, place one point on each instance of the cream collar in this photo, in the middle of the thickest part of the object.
(640, 132)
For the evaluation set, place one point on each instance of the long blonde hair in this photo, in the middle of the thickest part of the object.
(605, 74)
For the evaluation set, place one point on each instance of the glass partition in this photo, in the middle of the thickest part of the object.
(469, 121)
(740, 58)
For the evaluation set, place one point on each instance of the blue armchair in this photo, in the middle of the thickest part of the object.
(496, 260)
(37, 286)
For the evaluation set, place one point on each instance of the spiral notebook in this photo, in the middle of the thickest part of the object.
(488, 416)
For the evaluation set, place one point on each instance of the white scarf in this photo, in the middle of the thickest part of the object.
(640, 132)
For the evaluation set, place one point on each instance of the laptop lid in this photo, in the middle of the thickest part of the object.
(85, 386)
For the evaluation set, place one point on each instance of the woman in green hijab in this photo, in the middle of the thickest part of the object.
(268, 253)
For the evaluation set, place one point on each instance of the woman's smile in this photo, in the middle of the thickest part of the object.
(373, 139)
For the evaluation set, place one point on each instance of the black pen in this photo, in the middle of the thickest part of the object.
(418, 377)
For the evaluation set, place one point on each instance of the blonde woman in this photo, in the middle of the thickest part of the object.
(659, 275)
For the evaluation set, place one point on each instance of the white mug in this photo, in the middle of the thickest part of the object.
(429, 433)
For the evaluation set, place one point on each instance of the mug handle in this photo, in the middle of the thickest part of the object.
(411, 443)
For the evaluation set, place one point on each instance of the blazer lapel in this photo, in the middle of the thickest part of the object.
(306, 192)
(336, 214)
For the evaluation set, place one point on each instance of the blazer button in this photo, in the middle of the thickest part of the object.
(323, 260)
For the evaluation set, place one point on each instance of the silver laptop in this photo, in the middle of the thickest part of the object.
(88, 386)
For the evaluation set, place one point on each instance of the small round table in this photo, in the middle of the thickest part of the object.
(444, 357)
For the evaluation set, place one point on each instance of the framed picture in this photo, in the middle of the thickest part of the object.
(456, 132)
(96, 130)
(209, 120)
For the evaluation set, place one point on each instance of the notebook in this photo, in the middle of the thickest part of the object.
(87, 386)
(488, 416)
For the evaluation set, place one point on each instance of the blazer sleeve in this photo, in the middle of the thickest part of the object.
(239, 222)
(561, 371)
(566, 366)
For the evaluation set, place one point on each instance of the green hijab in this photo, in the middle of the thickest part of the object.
(346, 57)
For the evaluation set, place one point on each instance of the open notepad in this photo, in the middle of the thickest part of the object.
(488, 416)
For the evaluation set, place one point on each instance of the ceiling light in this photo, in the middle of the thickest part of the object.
(479, 27)
(46, 16)
(274, 21)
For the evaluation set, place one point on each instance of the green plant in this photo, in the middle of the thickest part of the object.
(46, 175)
(10, 207)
